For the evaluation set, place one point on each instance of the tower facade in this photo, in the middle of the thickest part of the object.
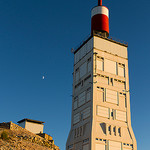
(101, 99)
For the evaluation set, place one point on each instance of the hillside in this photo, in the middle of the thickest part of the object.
(14, 137)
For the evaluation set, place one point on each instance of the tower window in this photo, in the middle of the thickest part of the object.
(109, 129)
(86, 113)
(81, 116)
(81, 99)
(75, 105)
(70, 146)
(110, 66)
(111, 96)
(112, 114)
(76, 118)
(83, 69)
(121, 115)
(81, 131)
(121, 70)
(100, 64)
(86, 140)
(114, 130)
(103, 112)
(119, 131)
(111, 81)
(89, 65)
(103, 79)
(75, 133)
(77, 74)
(88, 95)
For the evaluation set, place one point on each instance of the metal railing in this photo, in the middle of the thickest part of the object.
(115, 40)
(83, 41)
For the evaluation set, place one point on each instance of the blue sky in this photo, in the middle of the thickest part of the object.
(36, 38)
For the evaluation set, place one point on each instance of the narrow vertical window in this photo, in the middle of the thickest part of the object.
(125, 100)
(83, 69)
(111, 81)
(89, 65)
(77, 74)
(88, 95)
(118, 98)
(119, 131)
(101, 94)
(121, 70)
(100, 64)
(109, 130)
(75, 133)
(114, 130)
(81, 99)
(75, 105)
(81, 131)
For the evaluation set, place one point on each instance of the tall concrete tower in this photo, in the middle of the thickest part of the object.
(101, 99)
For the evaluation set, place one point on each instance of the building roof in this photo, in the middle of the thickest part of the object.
(114, 40)
(30, 120)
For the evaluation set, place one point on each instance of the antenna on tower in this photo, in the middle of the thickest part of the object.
(100, 20)
(99, 2)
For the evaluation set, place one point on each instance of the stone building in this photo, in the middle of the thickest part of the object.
(33, 126)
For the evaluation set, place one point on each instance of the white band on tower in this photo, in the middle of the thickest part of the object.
(100, 10)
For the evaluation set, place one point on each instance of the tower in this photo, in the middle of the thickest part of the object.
(101, 99)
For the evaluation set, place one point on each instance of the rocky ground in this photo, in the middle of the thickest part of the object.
(23, 140)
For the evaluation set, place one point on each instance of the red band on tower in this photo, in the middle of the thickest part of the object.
(99, 2)
(100, 23)
(100, 20)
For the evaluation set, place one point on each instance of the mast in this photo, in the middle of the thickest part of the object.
(99, 2)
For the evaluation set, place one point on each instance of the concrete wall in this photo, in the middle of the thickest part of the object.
(34, 127)
(110, 47)
(108, 122)
(22, 124)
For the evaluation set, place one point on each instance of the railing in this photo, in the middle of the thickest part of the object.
(107, 38)
(118, 40)
(83, 41)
